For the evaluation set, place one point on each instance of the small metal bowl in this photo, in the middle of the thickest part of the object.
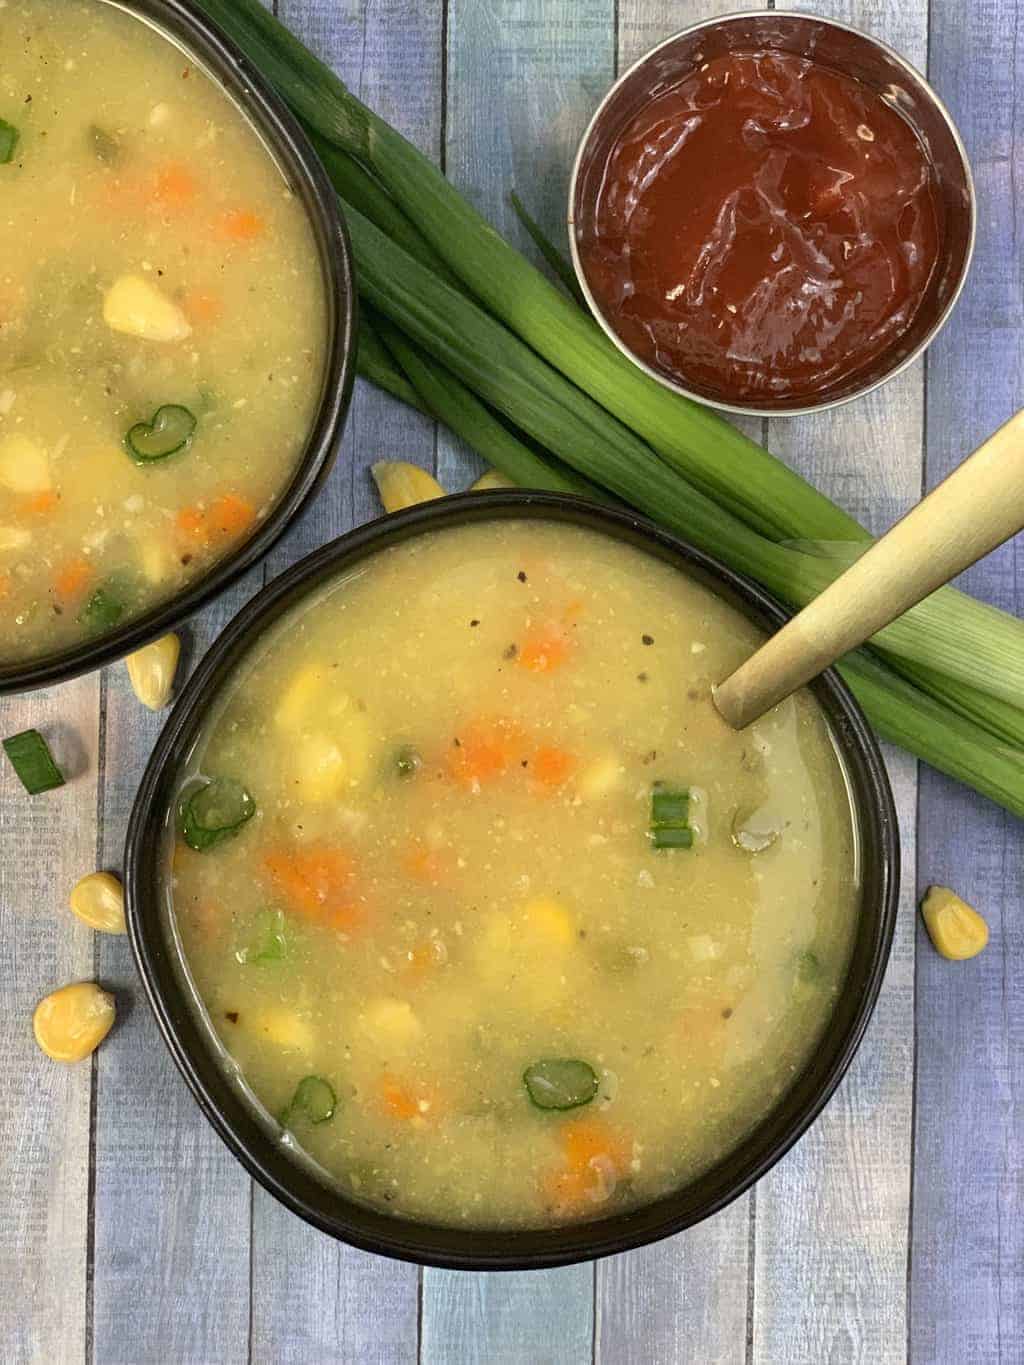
(184, 24)
(254, 1137)
(852, 53)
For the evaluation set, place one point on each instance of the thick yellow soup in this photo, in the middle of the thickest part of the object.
(161, 323)
(497, 917)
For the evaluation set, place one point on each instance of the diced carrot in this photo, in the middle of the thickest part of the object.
(175, 186)
(203, 306)
(430, 866)
(240, 225)
(400, 1100)
(39, 504)
(422, 960)
(72, 580)
(596, 1157)
(316, 882)
(551, 767)
(191, 521)
(544, 650)
(483, 751)
(230, 515)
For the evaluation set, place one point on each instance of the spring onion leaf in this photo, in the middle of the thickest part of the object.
(560, 1083)
(269, 943)
(213, 812)
(169, 430)
(8, 141)
(314, 1100)
(31, 759)
(548, 250)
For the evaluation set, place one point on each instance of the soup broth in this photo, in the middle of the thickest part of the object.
(495, 914)
(162, 323)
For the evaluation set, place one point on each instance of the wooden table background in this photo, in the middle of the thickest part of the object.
(896, 1227)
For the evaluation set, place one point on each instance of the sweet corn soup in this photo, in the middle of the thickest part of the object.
(496, 917)
(161, 323)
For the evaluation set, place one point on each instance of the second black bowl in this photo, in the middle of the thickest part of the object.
(186, 25)
(255, 1140)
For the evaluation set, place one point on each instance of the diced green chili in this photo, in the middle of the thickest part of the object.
(314, 1099)
(105, 147)
(669, 811)
(214, 812)
(8, 141)
(268, 944)
(168, 431)
(31, 759)
(408, 761)
(560, 1083)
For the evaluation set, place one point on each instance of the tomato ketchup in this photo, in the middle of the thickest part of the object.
(765, 228)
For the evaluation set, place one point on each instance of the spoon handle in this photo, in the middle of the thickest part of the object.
(976, 508)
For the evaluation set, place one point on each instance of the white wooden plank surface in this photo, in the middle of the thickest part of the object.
(685, 1299)
(46, 842)
(312, 1298)
(832, 1219)
(171, 1205)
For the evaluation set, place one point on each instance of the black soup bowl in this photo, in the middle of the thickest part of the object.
(185, 25)
(252, 1134)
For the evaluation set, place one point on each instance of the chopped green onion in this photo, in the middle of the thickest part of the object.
(269, 944)
(105, 147)
(31, 759)
(808, 967)
(669, 813)
(314, 1099)
(107, 605)
(669, 806)
(8, 141)
(408, 761)
(560, 1083)
(214, 812)
(558, 263)
(669, 837)
(170, 429)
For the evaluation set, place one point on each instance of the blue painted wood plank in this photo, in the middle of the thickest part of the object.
(46, 843)
(523, 76)
(313, 1298)
(171, 1205)
(832, 1218)
(967, 1254)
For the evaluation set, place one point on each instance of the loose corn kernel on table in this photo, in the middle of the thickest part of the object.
(895, 1229)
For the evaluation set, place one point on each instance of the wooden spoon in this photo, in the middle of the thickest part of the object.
(979, 506)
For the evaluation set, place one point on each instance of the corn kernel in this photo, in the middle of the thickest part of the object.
(489, 479)
(98, 900)
(151, 670)
(71, 1023)
(403, 485)
(956, 928)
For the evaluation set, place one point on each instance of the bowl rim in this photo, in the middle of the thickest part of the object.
(181, 21)
(327, 1209)
(753, 410)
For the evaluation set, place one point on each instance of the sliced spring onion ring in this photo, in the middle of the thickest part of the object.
(314, 1099)
(669, 811)
(214, 812)
(170, 429)
(31, 759)
(560, 1083)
